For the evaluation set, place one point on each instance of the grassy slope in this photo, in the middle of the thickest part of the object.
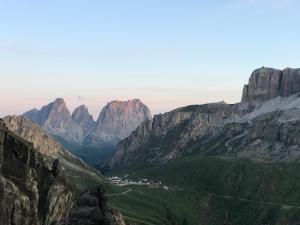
(213, 186)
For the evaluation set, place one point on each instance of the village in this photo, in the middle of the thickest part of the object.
(126, 181)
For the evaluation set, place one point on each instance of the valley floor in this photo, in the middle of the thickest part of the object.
(207, 190)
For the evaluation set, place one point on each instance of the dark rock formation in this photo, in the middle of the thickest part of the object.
(91, 209)
(30, 193)
(34, 192)
(71, 166)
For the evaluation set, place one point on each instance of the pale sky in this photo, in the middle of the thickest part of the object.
(168, 53)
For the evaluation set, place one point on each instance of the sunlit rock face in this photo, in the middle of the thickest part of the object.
(117, 120)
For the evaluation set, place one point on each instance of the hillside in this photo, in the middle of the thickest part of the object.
(238, 161)
(35, 191)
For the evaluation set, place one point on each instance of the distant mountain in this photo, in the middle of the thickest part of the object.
(34, 188)
(56, 119)
(83, 136)
(262, 126)
(82, 117)
(117, 120)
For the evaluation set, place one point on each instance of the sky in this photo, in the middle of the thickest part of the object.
(168, 53)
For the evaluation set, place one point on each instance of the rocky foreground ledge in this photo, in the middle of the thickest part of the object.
(33, 192)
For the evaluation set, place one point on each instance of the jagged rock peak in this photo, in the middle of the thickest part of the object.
(82, 116)
(81, 111)
(267, 83)
(55, 119)
(126, 106)
(118, 119)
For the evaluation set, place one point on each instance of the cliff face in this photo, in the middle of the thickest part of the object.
(170, 135)
(33, 191)
(268, 83)
(82, 117)
(72, 167)
(91, 208)
(118, 119)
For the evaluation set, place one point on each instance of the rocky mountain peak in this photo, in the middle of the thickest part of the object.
(116, 121)
(267, 83)
(82, 116)
(119, 118)
(59, 104)
(55, 119)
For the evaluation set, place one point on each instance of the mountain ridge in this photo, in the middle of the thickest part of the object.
(78, 132)
(242, 127)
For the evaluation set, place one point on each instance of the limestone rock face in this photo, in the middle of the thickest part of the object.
(264, 84)
(290, 82)
(83, 118)
(117, 120)
(268, 83)
(55, 119)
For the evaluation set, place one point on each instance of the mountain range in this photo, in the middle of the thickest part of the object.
(89, 139)
(214, 163)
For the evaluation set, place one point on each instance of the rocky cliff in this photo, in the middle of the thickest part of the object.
(31, 190)
(72, 167)
(268, 83)
(34, 192)
(118, 119)
(82, 117)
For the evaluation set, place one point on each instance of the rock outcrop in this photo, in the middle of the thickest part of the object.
(71, 166)
(91, 209)
(30, 192)
(268, 83)
(33, 191)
